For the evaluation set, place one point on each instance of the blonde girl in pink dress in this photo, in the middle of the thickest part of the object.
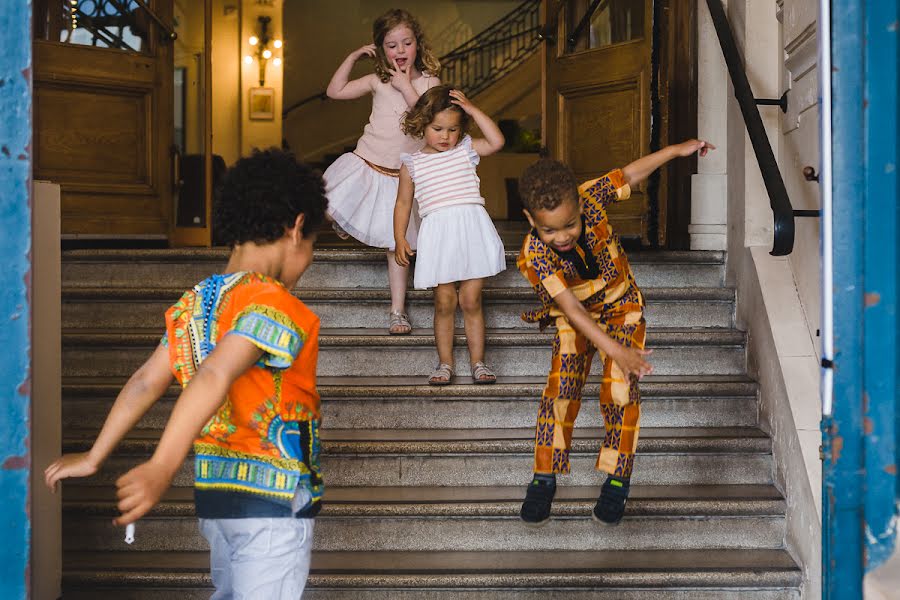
(362, 185)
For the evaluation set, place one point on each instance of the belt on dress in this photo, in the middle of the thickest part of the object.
(380, 169)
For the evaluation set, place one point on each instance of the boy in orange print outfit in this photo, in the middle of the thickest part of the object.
(578, 268)
(244, 350)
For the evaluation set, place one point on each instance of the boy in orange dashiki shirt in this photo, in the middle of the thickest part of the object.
(578, 268)
(244, 350)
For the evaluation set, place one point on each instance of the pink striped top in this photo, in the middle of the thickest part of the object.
(445, 179)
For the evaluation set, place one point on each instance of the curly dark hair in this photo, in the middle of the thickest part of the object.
(426, 61)
(433, 101)
(262, 195)
(546, 184)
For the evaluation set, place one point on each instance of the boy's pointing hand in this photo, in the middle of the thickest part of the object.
(690, 146)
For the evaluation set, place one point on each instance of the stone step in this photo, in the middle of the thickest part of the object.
(141, 307)
(603, 575)
(491, 457)
(182, 268)
(363, 352)
(469, 519)
(383, 403)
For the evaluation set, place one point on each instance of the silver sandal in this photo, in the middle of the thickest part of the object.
(340, 231)
(441, 375)
(482, 374)
(399, 320)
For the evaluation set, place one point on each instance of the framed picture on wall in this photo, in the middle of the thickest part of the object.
(262, 104)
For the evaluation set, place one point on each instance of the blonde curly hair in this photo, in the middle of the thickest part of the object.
(426, 61)
(433, 101)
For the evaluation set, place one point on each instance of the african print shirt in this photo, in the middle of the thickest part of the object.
(596, 269)
(262, 444)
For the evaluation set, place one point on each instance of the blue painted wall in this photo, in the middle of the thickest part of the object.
(15, 309)
(860, 437)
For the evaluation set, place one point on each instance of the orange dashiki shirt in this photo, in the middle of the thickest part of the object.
(262, 445)
(596, 269)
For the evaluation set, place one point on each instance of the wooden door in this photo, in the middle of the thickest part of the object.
(103, 102)
(597, 93)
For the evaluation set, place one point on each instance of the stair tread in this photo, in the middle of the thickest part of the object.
(416, 382)
(389, 563)
(476, 435)
(378, 337)
(156, 293)
(74, 494)
(217, 254)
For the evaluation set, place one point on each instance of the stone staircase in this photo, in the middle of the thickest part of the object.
(424, 484)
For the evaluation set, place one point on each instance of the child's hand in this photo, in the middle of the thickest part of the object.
(69, 465)
(688, 147)
(461, 101)
(367, 50)
(631, 361)
(403, 252)
(400, 79)
(140, 489)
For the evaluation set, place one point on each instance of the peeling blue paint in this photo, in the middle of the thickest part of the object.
(860, 484)
(15, 301)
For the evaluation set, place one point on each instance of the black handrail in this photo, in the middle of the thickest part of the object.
(585, 19)
(478, 62)
(318, 96)
(782, 211)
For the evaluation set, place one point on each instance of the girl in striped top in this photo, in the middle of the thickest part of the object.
(458, 245)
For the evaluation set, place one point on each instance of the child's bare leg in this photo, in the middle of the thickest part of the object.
(444, 312)
(473, 317)
(397, 280)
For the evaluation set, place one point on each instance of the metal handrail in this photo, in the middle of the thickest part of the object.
(782, 212)
(486, 57)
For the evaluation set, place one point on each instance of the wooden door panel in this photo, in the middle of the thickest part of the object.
(74, 122)
(597, 107)
(103, 120)
(598, 128)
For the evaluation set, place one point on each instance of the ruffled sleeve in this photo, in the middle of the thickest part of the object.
(409, 162)
(474, 158)
(273, 332)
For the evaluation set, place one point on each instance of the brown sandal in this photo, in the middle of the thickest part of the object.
(399, 324)
(441, 375)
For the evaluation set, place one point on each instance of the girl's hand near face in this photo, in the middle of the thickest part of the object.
(401, 80)
(362, 52)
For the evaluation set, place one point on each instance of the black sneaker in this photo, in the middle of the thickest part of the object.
(538, 500)
(610, 507)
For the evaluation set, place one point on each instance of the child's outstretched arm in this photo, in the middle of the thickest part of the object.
(641, 169)
(141, 488)
(402, 210)
(340, 87)
(141, 391)
(630, 360)
(493, 139)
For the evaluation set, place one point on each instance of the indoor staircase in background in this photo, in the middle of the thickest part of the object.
(424, 484)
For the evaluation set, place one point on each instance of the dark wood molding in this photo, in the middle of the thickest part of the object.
(678, 94)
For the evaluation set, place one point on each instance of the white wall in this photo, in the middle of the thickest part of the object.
(778, 298)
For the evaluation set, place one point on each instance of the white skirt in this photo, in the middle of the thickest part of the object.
(361, 200)
(455, 244)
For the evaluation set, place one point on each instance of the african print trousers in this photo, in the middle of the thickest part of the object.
(620, 400)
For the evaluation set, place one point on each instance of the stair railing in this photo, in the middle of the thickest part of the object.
(782, 212)
(486, 57)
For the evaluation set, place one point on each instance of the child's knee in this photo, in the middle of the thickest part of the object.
(445, 300)
(470, 303)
